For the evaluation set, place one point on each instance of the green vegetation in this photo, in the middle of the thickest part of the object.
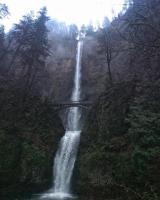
(119, 155)
(28, 141)
(30, 128)
(120, 147)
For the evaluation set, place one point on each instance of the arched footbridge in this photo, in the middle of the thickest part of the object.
(69, 104)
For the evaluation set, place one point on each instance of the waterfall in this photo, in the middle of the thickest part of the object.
(67, 151)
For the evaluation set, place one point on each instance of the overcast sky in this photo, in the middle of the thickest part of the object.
(69, 11)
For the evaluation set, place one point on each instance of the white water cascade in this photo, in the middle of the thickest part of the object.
(66, 154)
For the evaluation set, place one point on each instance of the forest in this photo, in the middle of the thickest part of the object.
(119, 152)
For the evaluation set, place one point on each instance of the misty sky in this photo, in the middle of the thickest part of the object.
(70, 11)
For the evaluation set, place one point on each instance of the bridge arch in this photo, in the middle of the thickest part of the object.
(65, 105)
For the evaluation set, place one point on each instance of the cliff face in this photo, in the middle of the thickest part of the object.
(93, 70)
(61, 78)
(61, 64)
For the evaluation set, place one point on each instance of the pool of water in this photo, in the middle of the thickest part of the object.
(44, 196)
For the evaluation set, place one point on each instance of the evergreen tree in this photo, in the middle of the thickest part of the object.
(22, 35)
(3, 13)
(3, 10)
(37, 48)
(31, 47)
